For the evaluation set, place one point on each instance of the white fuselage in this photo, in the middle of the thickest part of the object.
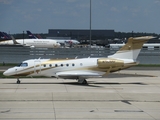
(67, 65)
(33, 42)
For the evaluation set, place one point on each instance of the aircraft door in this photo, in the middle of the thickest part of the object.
(37, 67)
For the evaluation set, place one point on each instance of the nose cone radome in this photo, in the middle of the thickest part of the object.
(6, 73)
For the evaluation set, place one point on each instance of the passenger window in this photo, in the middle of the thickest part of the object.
(61, 65)
(67, 65)
(73, 64)
(44, 65)
(50, 65)
(56, 65)
(81, 64)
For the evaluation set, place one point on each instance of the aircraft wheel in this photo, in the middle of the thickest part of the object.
(18, 81)
(84, 82)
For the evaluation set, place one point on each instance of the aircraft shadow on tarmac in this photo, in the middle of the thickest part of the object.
(90, 83)
(62, 83)
(94, 83)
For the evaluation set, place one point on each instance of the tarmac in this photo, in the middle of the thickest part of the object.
(132, 94)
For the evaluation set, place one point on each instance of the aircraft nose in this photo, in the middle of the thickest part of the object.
(6, 73)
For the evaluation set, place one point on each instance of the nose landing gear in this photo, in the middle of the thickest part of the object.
(18, 81)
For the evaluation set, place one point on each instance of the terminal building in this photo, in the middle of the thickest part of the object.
(81, 34)
(99, 37)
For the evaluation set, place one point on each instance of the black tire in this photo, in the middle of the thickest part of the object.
(18, 81)
(84, 82)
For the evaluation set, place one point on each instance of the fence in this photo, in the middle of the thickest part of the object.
(17, 54)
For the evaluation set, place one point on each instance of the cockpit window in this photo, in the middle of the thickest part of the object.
(23, 65)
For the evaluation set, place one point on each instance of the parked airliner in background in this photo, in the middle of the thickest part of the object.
(33, 43)
(63, 42)
(81, 69)
(75, 42)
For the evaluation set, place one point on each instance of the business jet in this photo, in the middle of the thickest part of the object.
(84, 68)
(33, 43)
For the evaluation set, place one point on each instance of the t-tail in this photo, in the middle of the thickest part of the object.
(131, 50)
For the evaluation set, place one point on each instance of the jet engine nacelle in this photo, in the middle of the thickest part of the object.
(107, 63)
(32, 47)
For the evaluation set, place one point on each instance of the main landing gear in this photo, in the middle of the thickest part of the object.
(82, 81)
(18, 81)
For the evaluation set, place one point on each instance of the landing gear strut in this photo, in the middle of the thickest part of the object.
(85, 82)
(82, 81)
(18, 81)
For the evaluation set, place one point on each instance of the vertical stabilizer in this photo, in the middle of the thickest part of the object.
(30, 35)
(131, 49)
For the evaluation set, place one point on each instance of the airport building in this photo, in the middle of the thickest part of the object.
(81, 34)
(98, 36)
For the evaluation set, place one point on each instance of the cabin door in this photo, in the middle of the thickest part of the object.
(37, 67)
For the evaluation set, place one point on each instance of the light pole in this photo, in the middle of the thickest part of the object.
(90, 25)
(23, 38)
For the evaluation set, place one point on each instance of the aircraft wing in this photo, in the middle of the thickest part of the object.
(77, 74)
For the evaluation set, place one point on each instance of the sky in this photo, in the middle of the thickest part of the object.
(38, 16)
